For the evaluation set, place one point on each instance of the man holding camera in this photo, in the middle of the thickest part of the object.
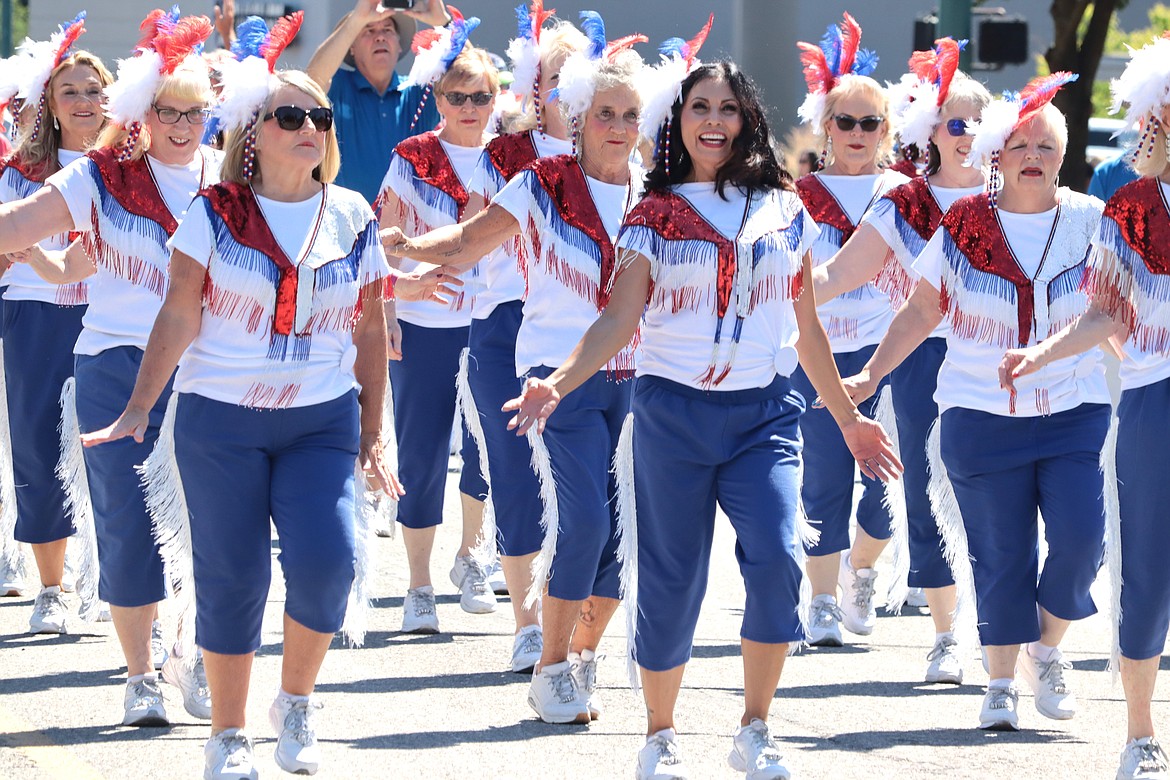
(370, 114)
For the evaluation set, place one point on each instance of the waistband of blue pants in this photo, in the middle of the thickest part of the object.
(779, 386)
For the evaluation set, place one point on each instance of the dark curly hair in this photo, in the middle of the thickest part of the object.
(754, 163)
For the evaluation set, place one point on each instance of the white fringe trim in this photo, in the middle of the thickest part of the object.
(627, 550)
(11, 552)
(167, 504)
(75, 483)
(894, 500)
(365, 506)
(954, 539)
(549, 517)
(1113, 544)
(485, 543)
(807, 535)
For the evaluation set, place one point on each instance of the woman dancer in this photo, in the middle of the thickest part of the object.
(1128, 300)
(882, 251)
(568, 210)
(426, 187)
(852, 110)
(1005, 271)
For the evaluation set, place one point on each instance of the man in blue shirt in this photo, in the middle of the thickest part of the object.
(369, 113)
(1112, 175)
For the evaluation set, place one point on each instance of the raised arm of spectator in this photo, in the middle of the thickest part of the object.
(225, 22)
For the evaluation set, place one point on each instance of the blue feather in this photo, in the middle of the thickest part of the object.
(673, 47)
(865, 63)
(79, 18)
(831, 45)
(250, 36)
(461, 30)
(594, 28)
(523, 23)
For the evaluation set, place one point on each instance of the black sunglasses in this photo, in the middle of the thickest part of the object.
(480, 99)
(846, 123)
(957, 127)
(171, 116)
(293, 118)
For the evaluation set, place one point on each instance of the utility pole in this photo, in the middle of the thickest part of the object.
(6, 28)
(954, 20)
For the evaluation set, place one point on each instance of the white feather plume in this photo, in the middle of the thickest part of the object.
(811, 111)
(525, 57)
(34, 62)
(246, 84)
(1144, 85)
(900, 95)
(660, 86)
(130, 96)
(577, 84)
(920, 117)
(993, 130)
(428, 64)
(9, 70)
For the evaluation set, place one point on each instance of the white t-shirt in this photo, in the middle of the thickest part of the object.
(556, 318)
(237, 358)
(859, 318)
(23, 282)
(678, 345)
(499, 270)
(426, 313)
(121, 312)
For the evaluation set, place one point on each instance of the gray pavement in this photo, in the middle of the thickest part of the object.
(446, 706)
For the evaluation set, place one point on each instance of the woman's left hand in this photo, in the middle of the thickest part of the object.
(1017, 363)
(373, 459)
(427, 283)
(872, 449)
(432, 12)
(533, 407)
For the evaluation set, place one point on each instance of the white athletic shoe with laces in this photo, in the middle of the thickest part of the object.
(144, 704)
(585, 671)
(49, 612)
(857, 591)
(1143, 759)
(824, 622)
(495, 577)
(228, 756)
(757, 754)
(916, 598)
(1000, 710)
(296, 744)
(11, 581)
(418, 611)
(158, 648)
(659, 758)
(192, 683)
(945, 666)
(555, 697)
(526, 649)
(475, 595)
(1046, 678)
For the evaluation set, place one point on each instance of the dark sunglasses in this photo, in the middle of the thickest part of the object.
(479, 99)
(171, 116)
(846, 123)
(293, 118)
(957, 127)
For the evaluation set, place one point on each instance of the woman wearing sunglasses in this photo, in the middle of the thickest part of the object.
(882, 251)
(852, 110)
(426, 187)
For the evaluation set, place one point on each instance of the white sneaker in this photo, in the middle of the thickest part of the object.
(228, 756)
(144, 704)
(659, 758)
(475, 595)
(69, 575)
(945, 666)
(418, 611)
(526, 649)
(192, 683)
(1053, 698)
(11, 583)
(555, 697)
(755, 752)
(824, 623)
(916, 598)
(1000, 711)
(495, 578)
(1143, 759)
(158, 648)
(49, 611)
(105, 616)
(296, 745)
(857, 589)
(585, 672)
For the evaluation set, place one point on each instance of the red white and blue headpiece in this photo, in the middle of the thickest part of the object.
(36, 61)
(661, 87)
(839, 53)
(578, 78)
(1144, 86)
(1003, 117)
(524, 52)
(166, 43)
(9, 86)
(435, 51)
(916, 103)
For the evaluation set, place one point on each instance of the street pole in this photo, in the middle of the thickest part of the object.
(954, 20)
(6, 28)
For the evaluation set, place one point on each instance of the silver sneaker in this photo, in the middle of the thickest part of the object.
(49, 611)
(11, 581)
(1143, 759)
(857, 592)
(824, 623)
(158, 647)
(1000, 710)
(527, 649)
(659, 758)
(945, 666)
(144, 704)
(192, 683)
(228, 756)
(296, 744)
(1046, 678)
(757, 754)
(418, 611)
(585, 672)
(475, 595)
(555, 697)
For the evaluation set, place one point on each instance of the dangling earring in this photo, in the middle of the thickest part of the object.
(249, 161)
(56, 124)
(824, 155)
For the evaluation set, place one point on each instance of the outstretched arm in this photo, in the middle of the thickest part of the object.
(331, 53)
(1085, 332)
(25, 222)
(456, 246)
(858, 262)
(63, 266)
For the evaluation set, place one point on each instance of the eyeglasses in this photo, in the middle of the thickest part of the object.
(957, 127)
(846, 123)
(171, 116)
(293, 117)
(479, 99)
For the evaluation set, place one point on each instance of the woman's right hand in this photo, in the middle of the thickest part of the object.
(394, 242)
(533, 407)
(131, 423)
(1017, 363)
(860, 386)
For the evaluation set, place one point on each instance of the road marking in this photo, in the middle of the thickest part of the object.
(55, 761)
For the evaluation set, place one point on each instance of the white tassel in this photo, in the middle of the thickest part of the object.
(75, 482)
(485, 544)
(954, 539)
(549, 517)
(807, 535)
(385, 506)
(1113, 544)
(894, 500)
(171, 524)
(11, 553)
(627, 551)
(365, 506)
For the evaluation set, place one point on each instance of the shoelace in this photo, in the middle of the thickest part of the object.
(826, 611)
(475, 577)
(942, 647)
(50, 603)
(1151, 758)
(235, 749)
(564, 685)
(865, 589)
(200, 675)
(763, 745)
(665, 750)
(1052, 673)
(297, 721)
(146, 694)
(531, 642)
(1001, 698)
(423, 603)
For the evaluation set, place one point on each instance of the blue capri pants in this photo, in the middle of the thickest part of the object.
(1005, 469)
(693, 449)
(423, 384)
(491, 372)
(241, 466)
(131, 571)
(830, 470)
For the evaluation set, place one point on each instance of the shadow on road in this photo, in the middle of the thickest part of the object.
(61, 680)
(424, 682)
(423, 740)
(940, 737)
(88, 735)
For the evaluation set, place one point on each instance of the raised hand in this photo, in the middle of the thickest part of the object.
(367, 11)
(432, 12)
(533, 407)
(225, 21)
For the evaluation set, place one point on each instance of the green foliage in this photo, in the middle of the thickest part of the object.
(1116, 42)
(19, 21)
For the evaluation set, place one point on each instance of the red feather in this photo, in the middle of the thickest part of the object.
(816, 67)
(696, 43)
(183, 41)
(948, 63)
(455, 12)
(150, 28)
(424, 39)
(850, 42)
(71, 35)
(923, 64)
(539, 17)
(621, 44)
(281, 35)
(1039, 93)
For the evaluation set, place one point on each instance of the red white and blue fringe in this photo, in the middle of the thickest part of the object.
(979, 306)
(131, 247)
(1120, 282)
(13, 187)
(894, 280)
(75, 483)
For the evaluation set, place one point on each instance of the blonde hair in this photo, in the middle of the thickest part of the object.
(556, 43)
(233, 160)
(40, 154)
(470, 65)
(965, 89)
(850, 85)
(190, 83)
(1155, 162)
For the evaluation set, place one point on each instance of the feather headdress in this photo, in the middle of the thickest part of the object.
(1144, 86)
(166, 43)
(661, 85)
(36, 61)
(435, 50)
(931, 74)
(524, 52)
(838, 53)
